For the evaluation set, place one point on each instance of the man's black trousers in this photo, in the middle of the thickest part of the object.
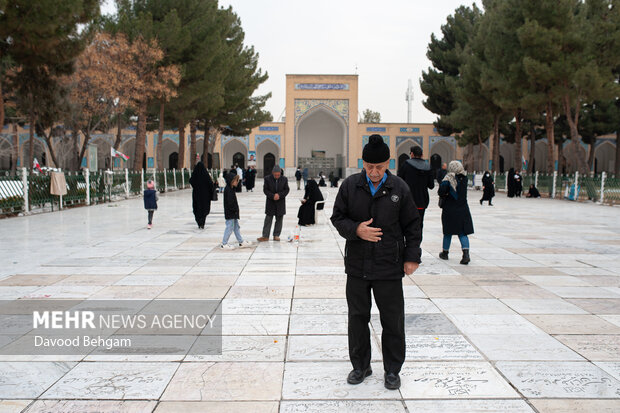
(389, 298)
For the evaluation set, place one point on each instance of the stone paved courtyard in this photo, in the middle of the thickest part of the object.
(532, 324)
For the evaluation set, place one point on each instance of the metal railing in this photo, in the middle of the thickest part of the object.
(22, 192)
(601, 188)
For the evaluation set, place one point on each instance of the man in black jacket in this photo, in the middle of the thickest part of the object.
(375, 213)
(416, 172)
(276, 189)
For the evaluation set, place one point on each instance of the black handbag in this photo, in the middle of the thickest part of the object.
(214, 197)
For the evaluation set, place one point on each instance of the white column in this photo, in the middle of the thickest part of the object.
(142, 179)
(603, 176)
(155, 178)
(87, 180)
(25, 189)
(506, 183)
(536, 179)
(183, 178)
(165, 181)
(555, 178)
(126, 183)
(174, 174)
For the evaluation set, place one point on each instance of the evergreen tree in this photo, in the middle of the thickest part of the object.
(445, 55)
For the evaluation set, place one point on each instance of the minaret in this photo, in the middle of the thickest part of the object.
(409, 99)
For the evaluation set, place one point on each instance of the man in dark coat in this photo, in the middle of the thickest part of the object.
(298, 177)
(202, 193)
(374, 211)
(416, 172)
(276, 189)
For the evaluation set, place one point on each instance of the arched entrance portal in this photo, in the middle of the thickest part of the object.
(403, 151)
(605, 157)
(321, 142)
(239, 160)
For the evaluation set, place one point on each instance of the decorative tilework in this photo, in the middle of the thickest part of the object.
(83, 162)
(150, 162)
(321, 86)
(174, 137)
(268, 128)
(282, 163)
(392, 164)
(243, 139)
(360, 163)
(198, 137)
(260, 138)
(449, 139)
(108, 137)
(410, 130)
(416, 139)
(386, 139)
(340, 106)
(375, 129)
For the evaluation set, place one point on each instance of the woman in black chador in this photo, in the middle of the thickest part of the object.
(202, 193)
(488, 187)
(512, 183)
(311, 196)
(250, 179)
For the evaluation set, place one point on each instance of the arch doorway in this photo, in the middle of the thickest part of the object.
(501, 164)
(267, 155)
(605, 157)
(173, 160)
(234, 151)
(269, 161)
(239, 159)
(321, 132)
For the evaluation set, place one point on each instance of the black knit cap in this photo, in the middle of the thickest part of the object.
(376, 151)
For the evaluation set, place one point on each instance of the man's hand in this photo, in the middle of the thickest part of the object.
(276, 197)
(410, 267)
(367, 233)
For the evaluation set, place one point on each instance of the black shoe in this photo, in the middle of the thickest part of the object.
(392, 381)
(358, 376)
(490, 204)
(443, 255)
(481, 202)
(465, 260)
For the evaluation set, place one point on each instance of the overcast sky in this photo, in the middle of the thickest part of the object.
(384, 42)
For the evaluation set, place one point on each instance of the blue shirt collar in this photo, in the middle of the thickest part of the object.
(374, 190)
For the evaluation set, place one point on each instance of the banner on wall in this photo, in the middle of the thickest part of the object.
(252, 158)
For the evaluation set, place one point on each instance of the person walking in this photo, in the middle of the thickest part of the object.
(311, 196)
(305, 174)
(231, 214)
(416, 172)
(298, 177)
(455, 215)
(518, 184)
(374, 211)
(275, 188)
(150, 201)
(488, 188)
(202, 193)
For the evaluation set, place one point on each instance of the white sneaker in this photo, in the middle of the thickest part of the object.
(245, 244)
(227, 247)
